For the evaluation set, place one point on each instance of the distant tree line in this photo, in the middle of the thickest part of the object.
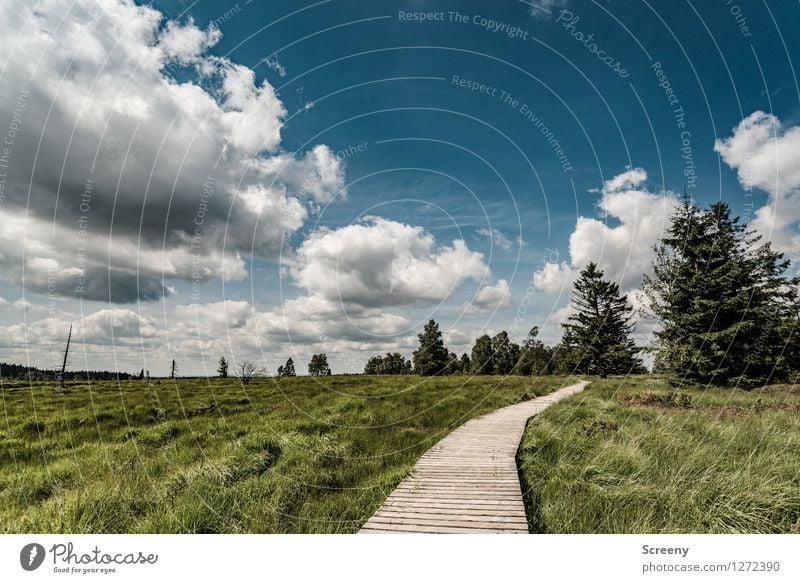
(22, 372)
(392, 363)
(727, 310)
(596, 340)
(247, 370)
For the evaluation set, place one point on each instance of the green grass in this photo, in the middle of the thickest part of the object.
(638, 456)
(299, 455)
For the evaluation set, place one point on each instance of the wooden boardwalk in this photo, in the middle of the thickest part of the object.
(468, 482)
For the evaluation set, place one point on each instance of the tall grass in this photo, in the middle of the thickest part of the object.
(294, 455)
(633, 455)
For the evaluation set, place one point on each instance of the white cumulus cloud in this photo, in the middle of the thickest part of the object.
(623, 251)
(130, 135)
(489, 298)
(766, 155)
(380, 262)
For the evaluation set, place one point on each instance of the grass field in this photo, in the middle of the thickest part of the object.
(636, 456)
(298, 455)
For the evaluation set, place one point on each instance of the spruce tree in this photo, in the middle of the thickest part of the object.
(465, 364)
(288, 369)
(431, 358)
(597, 335)
(222, 369)
(726, 310)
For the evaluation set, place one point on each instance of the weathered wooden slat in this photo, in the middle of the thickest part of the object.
(468, 481)
(452, 522)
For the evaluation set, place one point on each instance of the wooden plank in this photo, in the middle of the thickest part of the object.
(468, 481)
(418, 529)
(460, 515)
(379, 521)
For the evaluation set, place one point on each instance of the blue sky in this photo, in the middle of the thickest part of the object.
(500, 126)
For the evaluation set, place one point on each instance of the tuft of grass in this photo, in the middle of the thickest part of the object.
(633, 455)
(213, 456)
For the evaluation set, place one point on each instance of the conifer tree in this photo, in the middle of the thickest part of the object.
(288, 368)
(727, 312)
(431, 358)
(465, 363)
(597, 335)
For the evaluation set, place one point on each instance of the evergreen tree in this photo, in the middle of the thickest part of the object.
(465, 364)
(482, 362)
(505, 354)
(597, 336)
(318, 365)
(222, 369)
(726, 309)
(288, 369)
(431, 358)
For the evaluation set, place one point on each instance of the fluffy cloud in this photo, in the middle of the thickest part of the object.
(383, 263)
(108, 327)
(553, 277)
(489, 298)
(767, 156)
(317, 321)
(624, 252)
(348, 321)
(164, 177)
(186, 43)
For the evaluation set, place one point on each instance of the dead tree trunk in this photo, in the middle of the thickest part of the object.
(60, 376)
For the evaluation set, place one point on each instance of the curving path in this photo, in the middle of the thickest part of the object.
(468, 482)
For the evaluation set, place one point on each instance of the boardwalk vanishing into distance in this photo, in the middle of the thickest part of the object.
(468, 482)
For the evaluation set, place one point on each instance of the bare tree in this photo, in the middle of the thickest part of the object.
(248, 369)
(60, 375)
